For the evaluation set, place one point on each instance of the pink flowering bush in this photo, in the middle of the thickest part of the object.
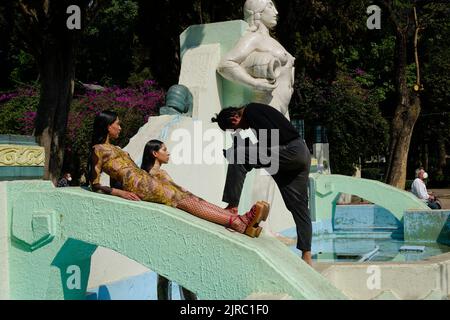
(134, 106)
(18, 110)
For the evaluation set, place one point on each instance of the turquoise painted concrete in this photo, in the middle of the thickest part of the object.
(18, 139)
(356, 219)
(21, 173)
(226, 34)
(54, 232)
(428, 226)
(364, 217)
(325, 191)
(342, 247)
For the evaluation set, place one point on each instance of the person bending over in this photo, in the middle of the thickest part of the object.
(287, 159)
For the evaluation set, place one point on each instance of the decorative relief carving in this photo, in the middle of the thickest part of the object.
(17, 155)
(199, 65)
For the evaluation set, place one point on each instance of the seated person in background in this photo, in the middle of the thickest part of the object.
(64, 181)
(419, 189)
(137, 184)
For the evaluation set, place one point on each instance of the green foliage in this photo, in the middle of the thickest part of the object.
(136, 78)
(372, 173)
(24, 64)
(433, 124)
(106, 50)
(17, 113)
(356, 129)
(160, 24)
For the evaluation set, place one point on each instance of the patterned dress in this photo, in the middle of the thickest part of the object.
(121, 168)
(163, 176)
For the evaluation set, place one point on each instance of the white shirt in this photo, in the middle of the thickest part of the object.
(419, 189)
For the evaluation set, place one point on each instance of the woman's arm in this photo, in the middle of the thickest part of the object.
(97, 163)
(230, 66)
(125, 194)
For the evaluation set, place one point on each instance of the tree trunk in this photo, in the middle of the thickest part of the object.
(42, 26)
(402, 129)
(406, 114)
(442, 160)
(426, 156)
(57, 83)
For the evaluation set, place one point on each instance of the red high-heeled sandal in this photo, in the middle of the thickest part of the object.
(259, 212)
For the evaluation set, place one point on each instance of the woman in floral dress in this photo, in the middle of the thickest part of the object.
(138, 184)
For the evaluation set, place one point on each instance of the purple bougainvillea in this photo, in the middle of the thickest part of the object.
(138, 103)
(134, 105)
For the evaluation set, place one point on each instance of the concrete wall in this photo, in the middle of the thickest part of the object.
(363, 217)
(427, 279)
(428, 226)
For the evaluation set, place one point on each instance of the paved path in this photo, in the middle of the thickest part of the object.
(443, 195)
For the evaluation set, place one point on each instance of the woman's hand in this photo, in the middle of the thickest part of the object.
(127, 195)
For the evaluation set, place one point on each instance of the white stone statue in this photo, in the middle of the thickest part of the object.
(259, 61)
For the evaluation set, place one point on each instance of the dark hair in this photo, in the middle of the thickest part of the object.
(100, 132)
(223, 119)
(148, 159)
(101, 123)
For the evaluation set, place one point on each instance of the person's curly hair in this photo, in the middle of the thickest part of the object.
(223, 118)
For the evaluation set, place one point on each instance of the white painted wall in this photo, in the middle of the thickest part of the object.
(108, 266)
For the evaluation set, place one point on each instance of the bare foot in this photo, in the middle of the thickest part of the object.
(306, 256)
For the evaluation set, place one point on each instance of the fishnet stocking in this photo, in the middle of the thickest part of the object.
(208, 211)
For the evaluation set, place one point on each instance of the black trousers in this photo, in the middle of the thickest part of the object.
(291, 178)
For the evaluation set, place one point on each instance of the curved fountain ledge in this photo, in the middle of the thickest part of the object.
(427, 279)
(53, 232)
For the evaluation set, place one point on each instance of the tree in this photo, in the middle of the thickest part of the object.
(403, 17)
(432, 135)
(340, 76)
(41, 27)
(162, 21)
(108, 45)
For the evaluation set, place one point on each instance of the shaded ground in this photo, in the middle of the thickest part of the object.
(443, 195)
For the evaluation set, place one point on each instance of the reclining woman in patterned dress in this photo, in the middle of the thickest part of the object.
(138, 184)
